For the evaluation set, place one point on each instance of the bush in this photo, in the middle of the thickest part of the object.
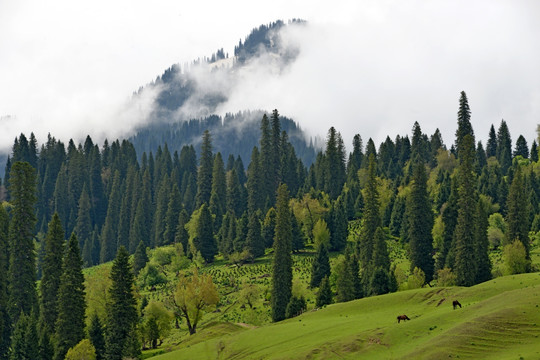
(495, 236)
(296, 306)
(445, 277)
(515, 258)
(416, 280)
(151, 276)
(82, 351)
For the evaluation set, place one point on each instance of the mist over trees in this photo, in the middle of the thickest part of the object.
(449, 208)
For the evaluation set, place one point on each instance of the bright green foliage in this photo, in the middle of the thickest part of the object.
(254, 241)
(518, 212)
(324, 296)
(321, 234)
(122, 309)
(321, 265)
(420, 223)
(204, 177)
(204, 240)
(52, 271)
(22, 270)
(417, 279)
(515, 258)
(150, 276)
(140, 258)
(464, 266)
(71, 301)
(193, 296)
(157, 321)
(84, 350)
(95, 334)
(5, 322)
(282, 262)
(345, 284)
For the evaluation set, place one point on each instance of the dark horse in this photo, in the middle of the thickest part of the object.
(455, 304)
(402, 317)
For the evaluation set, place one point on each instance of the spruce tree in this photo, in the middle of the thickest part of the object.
(218, 196)
(23, 344)
(171, 216)
(22, 257)
(204, 240)
(204, 177)
(420, 223)
(182, 235)
(334, 163)
(109, 232)
(142, 223)
(5, 321)
(140, 258)
(162, 202)
(297, 235)
(122, 315)
(83, 226)
(491, 148)
(504, 147)
(465, 227)
(324, 296)
(282, 262)
(481, 252)
(254, 183)
(521, 147)
(95, 334)
(321, 265)
(70, 322)
(371, 219)
(534, 151)
(266, 164)
(52, 272)
(254, 240)
(464, 123)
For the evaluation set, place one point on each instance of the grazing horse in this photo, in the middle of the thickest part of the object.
(402, 317)
(455, 304)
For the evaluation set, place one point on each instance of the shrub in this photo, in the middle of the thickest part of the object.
(515, 258)
(445, 277)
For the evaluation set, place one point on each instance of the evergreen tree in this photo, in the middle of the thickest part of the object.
(140, 258)
(204, 177)
(518, 212)
(465, 228)
(142, 222)
(464, 123)
(218, 196)
(491, 148)
(122, 315)
(334, 163)
(483, 262)
(339, 228)
(355, 159)
(420, 223)
(234, 196)
(267, 164)
(22, 269)
(269, 227)
(182, 235)
(52, 272)
(445, 256)
(172, 215)
(95, 334)
(5, 321)
(324, 296)
(204, 240)
(521, 147)
(83, 226)
(254, 240)
(282, 262)
(162, 202)
(71, 302)
(371, 219)
(109, 232)
(23, 344)
(345, 280)
(297, 235)
(504, 147)
(321, 265)
(254, 183)
(534, 151)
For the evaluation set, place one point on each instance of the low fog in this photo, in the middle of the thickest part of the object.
(372, 67)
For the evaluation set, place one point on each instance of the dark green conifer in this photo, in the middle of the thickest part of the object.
(174, 208)
(142, 222)
(521, 147)
(95, 334)
(321, 265)
(534, 151)
(218, 196)
(83, 226)
(504, 147)
(254, 240)
(70, 322)
(483, 262)
(464, 123)
(204, 177)
(140, 258)
(22, 256)
(324, 296)
(182, 235)
(518, 212)
(297, 235)
(122, 315)
(491, 147)
(269, 227)
(204, 240)
(5, 321)
(52, 272)
(282, 262)
(371, 219)
(254, 183)
(109, 232)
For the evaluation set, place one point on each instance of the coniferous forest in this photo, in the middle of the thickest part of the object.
(168, 221)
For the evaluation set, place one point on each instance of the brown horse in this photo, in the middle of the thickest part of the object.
(455, 304)
(402, 317)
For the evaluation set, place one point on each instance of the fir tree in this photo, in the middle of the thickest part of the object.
(324, 296)
(140, 258)
(464, 233)
(172, 215)
(5, 321)
(109, 232)
(122, 315)
(464, 123)
(254, 183)
(297, 235)
(162, 202)
(321, 265)
(504, 147)
(95, 334)
(142, 222)
(491, 148)
(269, 227)
(204, 177)
(522, 148)
(182, 235)
(420, 223)
(534, 151)
(52, 272)
(483, 262)
(22, 269)
(71, 302)
(218, 196)
(83, 226)
(282, 262)
(371, 219)
(204, 241)
(23, 344)
(254, 240)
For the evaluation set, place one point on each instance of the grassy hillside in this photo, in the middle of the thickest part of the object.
(499, 319)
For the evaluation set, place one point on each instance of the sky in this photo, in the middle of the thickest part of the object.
(370, 67)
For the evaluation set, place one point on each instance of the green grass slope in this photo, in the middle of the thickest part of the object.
(500, 319)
